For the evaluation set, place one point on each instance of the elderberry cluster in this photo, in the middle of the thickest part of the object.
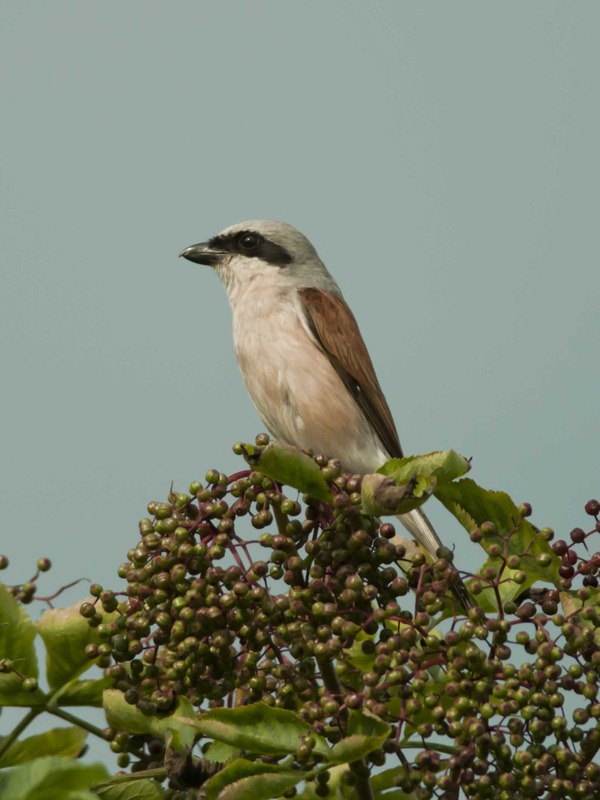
(238, 593)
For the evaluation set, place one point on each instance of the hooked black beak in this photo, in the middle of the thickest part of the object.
(202, 253)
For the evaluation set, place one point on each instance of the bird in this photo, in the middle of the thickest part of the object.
(301, 354)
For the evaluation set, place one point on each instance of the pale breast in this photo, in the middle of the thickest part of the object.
(296, 391)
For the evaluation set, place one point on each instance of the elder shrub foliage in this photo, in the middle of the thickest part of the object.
(272, 636)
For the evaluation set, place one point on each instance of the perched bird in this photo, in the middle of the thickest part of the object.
(301, 354)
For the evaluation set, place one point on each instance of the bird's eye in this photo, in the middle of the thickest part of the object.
(249, 242)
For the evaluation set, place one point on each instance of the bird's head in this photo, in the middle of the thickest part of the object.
(271, 251)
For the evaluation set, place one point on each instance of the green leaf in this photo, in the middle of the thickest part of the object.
(83, 693)
(403, 484)
(353, 748)
(143, 789)
(472, 506)
(249, 780)
(17, 634)
(65, 633)
(65, 742)
(124, 717)
(220, 752)
(337, 788)
(50, 778)
(366, 733)
(382, 495)
(367, 724)
(443, 465)
(355, 654)
(388, 779)
(289, 466)
(258, 728)
(181, 727)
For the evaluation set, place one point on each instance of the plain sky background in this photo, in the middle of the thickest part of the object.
(442, 157)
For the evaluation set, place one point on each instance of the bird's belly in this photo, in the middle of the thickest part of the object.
(299, 395)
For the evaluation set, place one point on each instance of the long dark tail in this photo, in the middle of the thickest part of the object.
(419, 527)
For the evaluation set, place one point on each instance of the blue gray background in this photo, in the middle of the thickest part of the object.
(443, 158)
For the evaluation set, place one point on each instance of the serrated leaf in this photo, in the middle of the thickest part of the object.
(65, 633)
(472, 506)
(307, 792)
(49, 778)
(124, 717)
(443, 465)
(366, 733)
(367, 724)
(381, 495)
(258, 728)
(337, 788)
(355, 654)
(289, 466)
(17, 633)
(353, 748)
(182, 721)
(65, 742)
(143, 789)
(249, 780)
(388, 779)
(220, 752)
(83, 693)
